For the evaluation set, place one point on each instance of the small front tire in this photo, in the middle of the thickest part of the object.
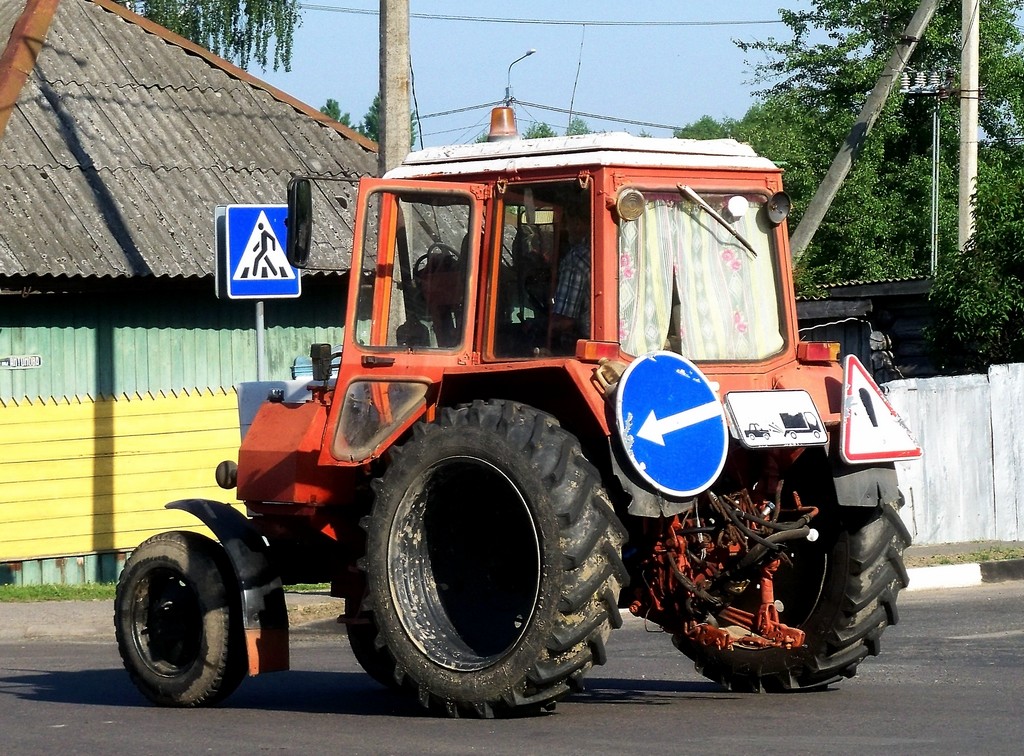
(177, 619)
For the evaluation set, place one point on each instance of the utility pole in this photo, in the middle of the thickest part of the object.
(936, 84)
(969, 94)
(395, 137)
(843, 160)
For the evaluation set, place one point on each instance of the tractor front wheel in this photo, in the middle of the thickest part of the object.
(178, 623)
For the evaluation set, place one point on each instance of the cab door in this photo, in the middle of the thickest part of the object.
(411, 309)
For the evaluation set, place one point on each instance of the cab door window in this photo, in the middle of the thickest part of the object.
(414, 270)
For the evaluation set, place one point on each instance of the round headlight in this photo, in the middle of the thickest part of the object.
(629, 204)
(737, 206)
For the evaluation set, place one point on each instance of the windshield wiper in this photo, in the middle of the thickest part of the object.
(702, 203)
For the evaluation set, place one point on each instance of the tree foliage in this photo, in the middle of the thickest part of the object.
(239, 30)
(817, 78)
(332, 109)
(538, 130)
(707, 127)
(577, 126)
(369, 127)
(978, 295)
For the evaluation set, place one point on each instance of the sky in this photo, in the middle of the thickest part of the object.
(681, 64)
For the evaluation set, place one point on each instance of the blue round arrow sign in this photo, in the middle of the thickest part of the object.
(671, 423)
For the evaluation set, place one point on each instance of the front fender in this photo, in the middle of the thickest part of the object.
(264, 613)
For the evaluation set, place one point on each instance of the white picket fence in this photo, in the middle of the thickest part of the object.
(969, 486)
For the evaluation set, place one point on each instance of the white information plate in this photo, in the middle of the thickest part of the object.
(763, 419)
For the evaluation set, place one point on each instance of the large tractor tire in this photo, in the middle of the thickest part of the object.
(493, 562)
(177, 618)
(841, 591)
(376, 662)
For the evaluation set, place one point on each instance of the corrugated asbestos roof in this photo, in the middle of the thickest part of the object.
(123, 137)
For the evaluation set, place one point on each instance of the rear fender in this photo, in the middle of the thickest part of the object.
(264, 613)
(865, 486)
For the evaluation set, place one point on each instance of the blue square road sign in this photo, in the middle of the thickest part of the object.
(251, 260)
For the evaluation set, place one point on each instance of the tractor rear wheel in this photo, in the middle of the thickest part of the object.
(492, 561)
(178, 622)
(376, 662)
(841, 591)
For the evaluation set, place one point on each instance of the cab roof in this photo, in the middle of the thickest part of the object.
(614, 148)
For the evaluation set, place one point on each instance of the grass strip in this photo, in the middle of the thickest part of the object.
(98, 592)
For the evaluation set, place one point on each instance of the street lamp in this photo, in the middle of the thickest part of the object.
(930, 84)
(508, 81)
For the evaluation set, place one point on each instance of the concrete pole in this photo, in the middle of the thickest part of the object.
(843, 160)
(395, 137)
(969, 95)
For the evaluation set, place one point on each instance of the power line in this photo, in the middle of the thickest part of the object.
(538, 21)
(461, 110)
(553, 109)
(599, 117)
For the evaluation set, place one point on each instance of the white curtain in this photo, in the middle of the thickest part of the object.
(729, 308)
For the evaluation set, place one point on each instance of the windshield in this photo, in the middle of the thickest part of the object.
(689, 284)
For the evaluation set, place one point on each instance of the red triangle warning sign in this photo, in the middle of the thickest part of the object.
(872, 431)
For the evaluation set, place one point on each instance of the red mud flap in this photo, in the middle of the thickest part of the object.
(264, 613)
(267, 649)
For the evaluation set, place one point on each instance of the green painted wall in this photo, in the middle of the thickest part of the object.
(135, 342)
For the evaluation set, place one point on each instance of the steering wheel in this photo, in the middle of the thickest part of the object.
(442, 256)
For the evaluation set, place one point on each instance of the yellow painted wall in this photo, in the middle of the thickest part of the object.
(87, 476)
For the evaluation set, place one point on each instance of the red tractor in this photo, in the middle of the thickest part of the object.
(552, 350)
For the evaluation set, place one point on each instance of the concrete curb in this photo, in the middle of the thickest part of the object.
(964, 575)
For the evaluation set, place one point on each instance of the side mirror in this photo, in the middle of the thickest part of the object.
(320, 355)
(778, 207)
(300, 221)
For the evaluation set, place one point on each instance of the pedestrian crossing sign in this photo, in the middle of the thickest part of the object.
(251, 247)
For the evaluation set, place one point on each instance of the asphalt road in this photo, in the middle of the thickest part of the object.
(950, 680)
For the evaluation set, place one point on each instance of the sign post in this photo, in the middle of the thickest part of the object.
(251, 262)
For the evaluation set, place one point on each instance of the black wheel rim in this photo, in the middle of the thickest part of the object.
(464, 563)
(167, 622)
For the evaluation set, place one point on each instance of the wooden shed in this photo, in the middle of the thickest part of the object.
(117, 361)
(882, 323)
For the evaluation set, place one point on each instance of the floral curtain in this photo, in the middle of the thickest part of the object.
(728, 306)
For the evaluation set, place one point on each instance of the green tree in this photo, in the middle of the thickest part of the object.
(706, 127)
(370, 125)
(239, 30)
(332, 109)
(577, 126)
(977, 296)
(879, 225)
(539, 130)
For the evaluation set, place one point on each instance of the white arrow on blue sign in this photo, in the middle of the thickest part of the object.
(256, 266)
(671, 423)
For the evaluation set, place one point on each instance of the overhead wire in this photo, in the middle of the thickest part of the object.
(538, 21)
(613, 119)
(535, 21)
